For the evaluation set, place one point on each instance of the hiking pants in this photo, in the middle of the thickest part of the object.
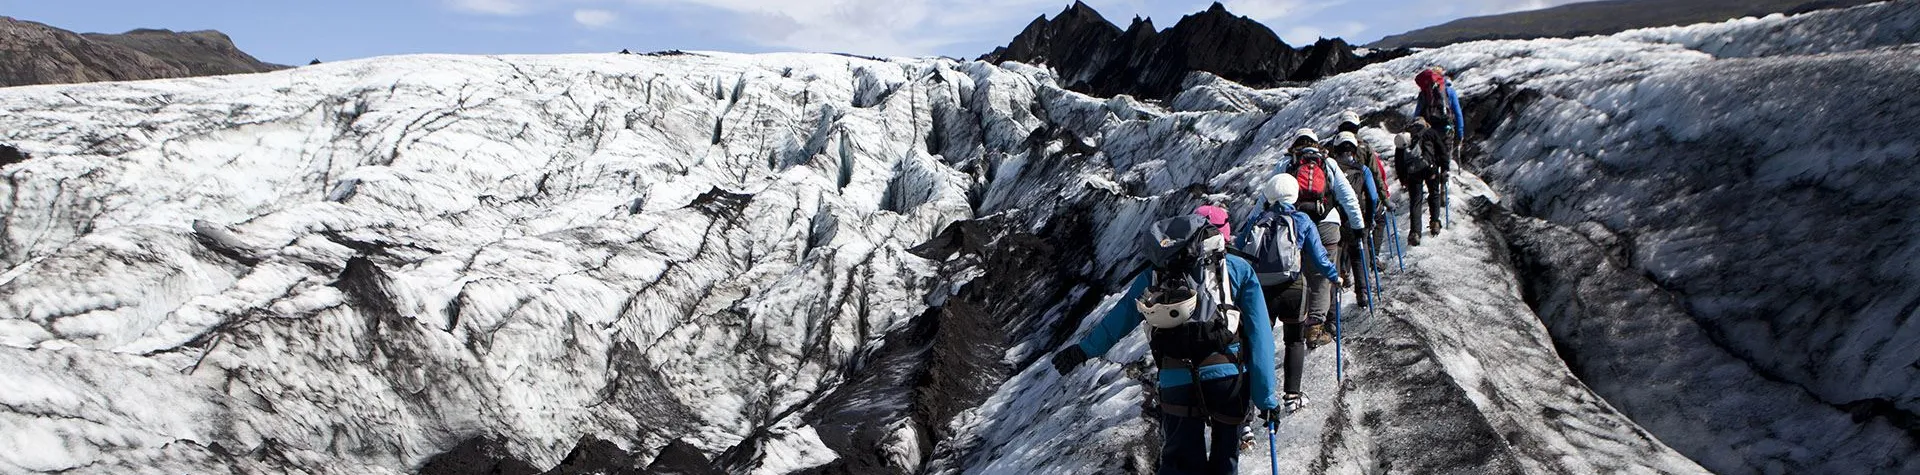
(1283, 304)
(1423, 189)
(1352, 267)
(1319, 289)
(1183, 440)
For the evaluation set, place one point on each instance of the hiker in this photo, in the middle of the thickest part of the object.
(1211, 340)
(1362, 246)
(1422, 160)
(1323, 188)
(1281, 240)
(1440, 104)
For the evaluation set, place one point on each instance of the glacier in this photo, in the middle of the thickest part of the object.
(702, 262)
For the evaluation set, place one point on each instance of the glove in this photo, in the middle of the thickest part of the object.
(1068, 359)
(1272, 416)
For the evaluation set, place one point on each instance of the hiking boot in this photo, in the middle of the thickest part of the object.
(1293, 402)
(1413, 239)
(1360, 298)
(1318, 336)
(1435, 224)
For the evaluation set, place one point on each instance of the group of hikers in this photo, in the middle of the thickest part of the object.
(1212, 298)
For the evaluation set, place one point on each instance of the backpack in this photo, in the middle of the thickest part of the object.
(1274, 245)
(1414, 161)
(1213, 326)
(1311, 170)
(1181, 266)
(1434, 106)
(1431, 146)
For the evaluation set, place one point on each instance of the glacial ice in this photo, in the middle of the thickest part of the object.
(356, 266)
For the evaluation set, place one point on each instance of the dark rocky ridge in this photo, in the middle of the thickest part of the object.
(200, 53)
(34, 53)
(1598, 18)
(1095, 56)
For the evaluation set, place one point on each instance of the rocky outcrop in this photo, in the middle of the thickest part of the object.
(1597, 18)
(34, 53)
(1094, 56)
(199, 53)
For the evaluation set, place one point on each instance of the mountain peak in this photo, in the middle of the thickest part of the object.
(1080, 12)
(53, 56)
(1094, 56)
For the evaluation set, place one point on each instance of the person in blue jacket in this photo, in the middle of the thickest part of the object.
(1457, 126)
(1193, 286)
(1286, 299)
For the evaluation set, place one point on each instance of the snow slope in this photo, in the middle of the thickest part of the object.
(802, 263)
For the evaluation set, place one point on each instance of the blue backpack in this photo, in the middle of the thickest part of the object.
(1275, 246)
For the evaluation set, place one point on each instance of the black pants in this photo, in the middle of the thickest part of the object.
(1424, 188)
(1357, 247)
(1284, 306)
(1183, 440)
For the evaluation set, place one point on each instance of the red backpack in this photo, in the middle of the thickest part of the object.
(1311, 169)
(1433, 99)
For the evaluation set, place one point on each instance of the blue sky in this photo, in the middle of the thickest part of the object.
(294, 31)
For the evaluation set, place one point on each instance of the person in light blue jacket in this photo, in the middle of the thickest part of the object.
(1286, 298)
(1211, 338)
(1322, 188)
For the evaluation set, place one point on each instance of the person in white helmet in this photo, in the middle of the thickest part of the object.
(1323, 189)
(1284, 244)
(1211, 339)
(1358, 163)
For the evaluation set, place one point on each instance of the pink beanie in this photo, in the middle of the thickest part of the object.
(1218, 216)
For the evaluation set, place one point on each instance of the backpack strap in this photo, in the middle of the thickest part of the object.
(1223, 302)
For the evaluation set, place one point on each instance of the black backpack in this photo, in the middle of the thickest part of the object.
(1416, 160)
(1180, 265)
(1435, 107)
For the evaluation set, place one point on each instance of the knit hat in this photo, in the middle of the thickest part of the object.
(1216, 216)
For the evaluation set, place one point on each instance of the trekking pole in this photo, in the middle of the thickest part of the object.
(1392, 231)
(1372, 248)
(1339, 361)
(1368, 275)
(1273, 453)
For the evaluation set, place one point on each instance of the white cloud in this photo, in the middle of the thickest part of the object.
(593, 18)
(491, 7)
(1490, 7)
(1266, 11)
(881, 27)
(1306, 35)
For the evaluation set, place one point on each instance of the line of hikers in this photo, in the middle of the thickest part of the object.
(1212, 304)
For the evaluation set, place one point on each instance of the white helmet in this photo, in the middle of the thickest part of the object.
(1281, 188)
(1305, 133)
(1349, 117)
(1347, 138)
(1167, 308)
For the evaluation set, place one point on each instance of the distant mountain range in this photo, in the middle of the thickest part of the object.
(1095, 56)
(34, 53)
(1599, 18)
